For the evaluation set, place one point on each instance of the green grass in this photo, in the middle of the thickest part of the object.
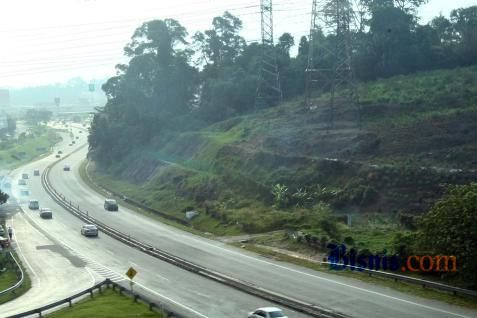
(19, 152)
(403, 287)
(9, 278)
(107, 304)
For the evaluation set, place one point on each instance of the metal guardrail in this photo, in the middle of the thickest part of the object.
(412, 280)
(295, 304)
(396, 277)
(136, 203)
(20, 279)
(108, 283)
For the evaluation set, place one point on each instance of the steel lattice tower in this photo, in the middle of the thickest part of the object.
(269, 91)
(329, 68)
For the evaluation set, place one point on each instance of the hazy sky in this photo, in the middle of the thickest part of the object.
(54, 40)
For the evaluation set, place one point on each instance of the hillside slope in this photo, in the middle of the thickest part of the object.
(418, 132)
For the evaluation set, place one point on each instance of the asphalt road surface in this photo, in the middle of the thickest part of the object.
(192, 294)
(61, 262)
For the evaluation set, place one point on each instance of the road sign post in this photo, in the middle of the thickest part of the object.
(131, 273)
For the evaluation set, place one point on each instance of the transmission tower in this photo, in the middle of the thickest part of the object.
(329, 68)
(269, 91)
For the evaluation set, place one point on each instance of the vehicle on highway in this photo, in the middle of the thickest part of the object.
(77, 137)
(81, 131)
(24, 192)
(2, 230)
(34, 205)
(36, 172)
(111, 205)
(89, 230)
(73, 142)
(66, 168)
(70, 144)
(4, 242)
(22, 182)
(25, 176)
(46, 213)
(267, 312)
(60, 152)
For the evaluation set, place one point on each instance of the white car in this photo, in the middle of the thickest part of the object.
(22, 182)
(267, 312)
(89, 230)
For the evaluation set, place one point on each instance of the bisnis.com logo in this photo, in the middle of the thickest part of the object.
(339, 259)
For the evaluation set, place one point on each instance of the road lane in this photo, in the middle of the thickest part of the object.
(344, 294)
(190, 294)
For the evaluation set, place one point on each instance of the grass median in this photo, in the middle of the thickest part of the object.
(107, 304)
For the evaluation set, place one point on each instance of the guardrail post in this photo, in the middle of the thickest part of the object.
(91, 292)
(70, 303)
(99, 289)
(151, 306)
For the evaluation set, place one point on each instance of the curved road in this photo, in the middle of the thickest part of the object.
(347, 295)
(61, 261)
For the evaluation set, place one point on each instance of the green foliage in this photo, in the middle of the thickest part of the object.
(36, 116)
(3, 197)
(450, 228)
(280, 194)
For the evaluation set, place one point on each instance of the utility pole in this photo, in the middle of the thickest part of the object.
(329, 68)
(269, 91)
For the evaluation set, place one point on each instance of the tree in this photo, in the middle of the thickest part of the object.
(36, 116)
(465, 25)
(450, 228)
(3, 197)
(286, 42)
(222, 44)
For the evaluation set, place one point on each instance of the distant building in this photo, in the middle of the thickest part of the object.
(4, 97)
(3, 122)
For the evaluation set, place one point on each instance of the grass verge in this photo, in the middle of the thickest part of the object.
(9, 278)
(24, 150)
(399, 286)
(94, 186)
(107, 304)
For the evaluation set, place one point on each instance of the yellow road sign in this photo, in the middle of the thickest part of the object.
(131, 273)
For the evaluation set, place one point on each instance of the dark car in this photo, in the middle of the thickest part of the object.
(110, 205)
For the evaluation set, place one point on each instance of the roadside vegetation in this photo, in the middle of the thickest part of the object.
(203, 146)
(9, 278)
(27, 147)
(107, 304)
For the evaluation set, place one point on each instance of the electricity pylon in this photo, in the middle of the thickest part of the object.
(269, 91)
(329, 68)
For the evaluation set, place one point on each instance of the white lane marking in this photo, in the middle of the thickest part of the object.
(314, 276)
(328, 280)
(162, 277)
(139, 284)
(171, 300)
(22, 255)
(91, 275)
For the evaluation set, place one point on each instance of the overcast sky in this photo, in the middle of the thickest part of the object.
(52, 41)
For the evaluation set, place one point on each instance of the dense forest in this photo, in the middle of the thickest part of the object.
(175, 82)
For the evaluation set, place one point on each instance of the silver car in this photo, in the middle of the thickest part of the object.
(267, 312)
(89, 230)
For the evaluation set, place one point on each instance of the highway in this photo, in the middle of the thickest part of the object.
(194, 295)
(61, 261)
